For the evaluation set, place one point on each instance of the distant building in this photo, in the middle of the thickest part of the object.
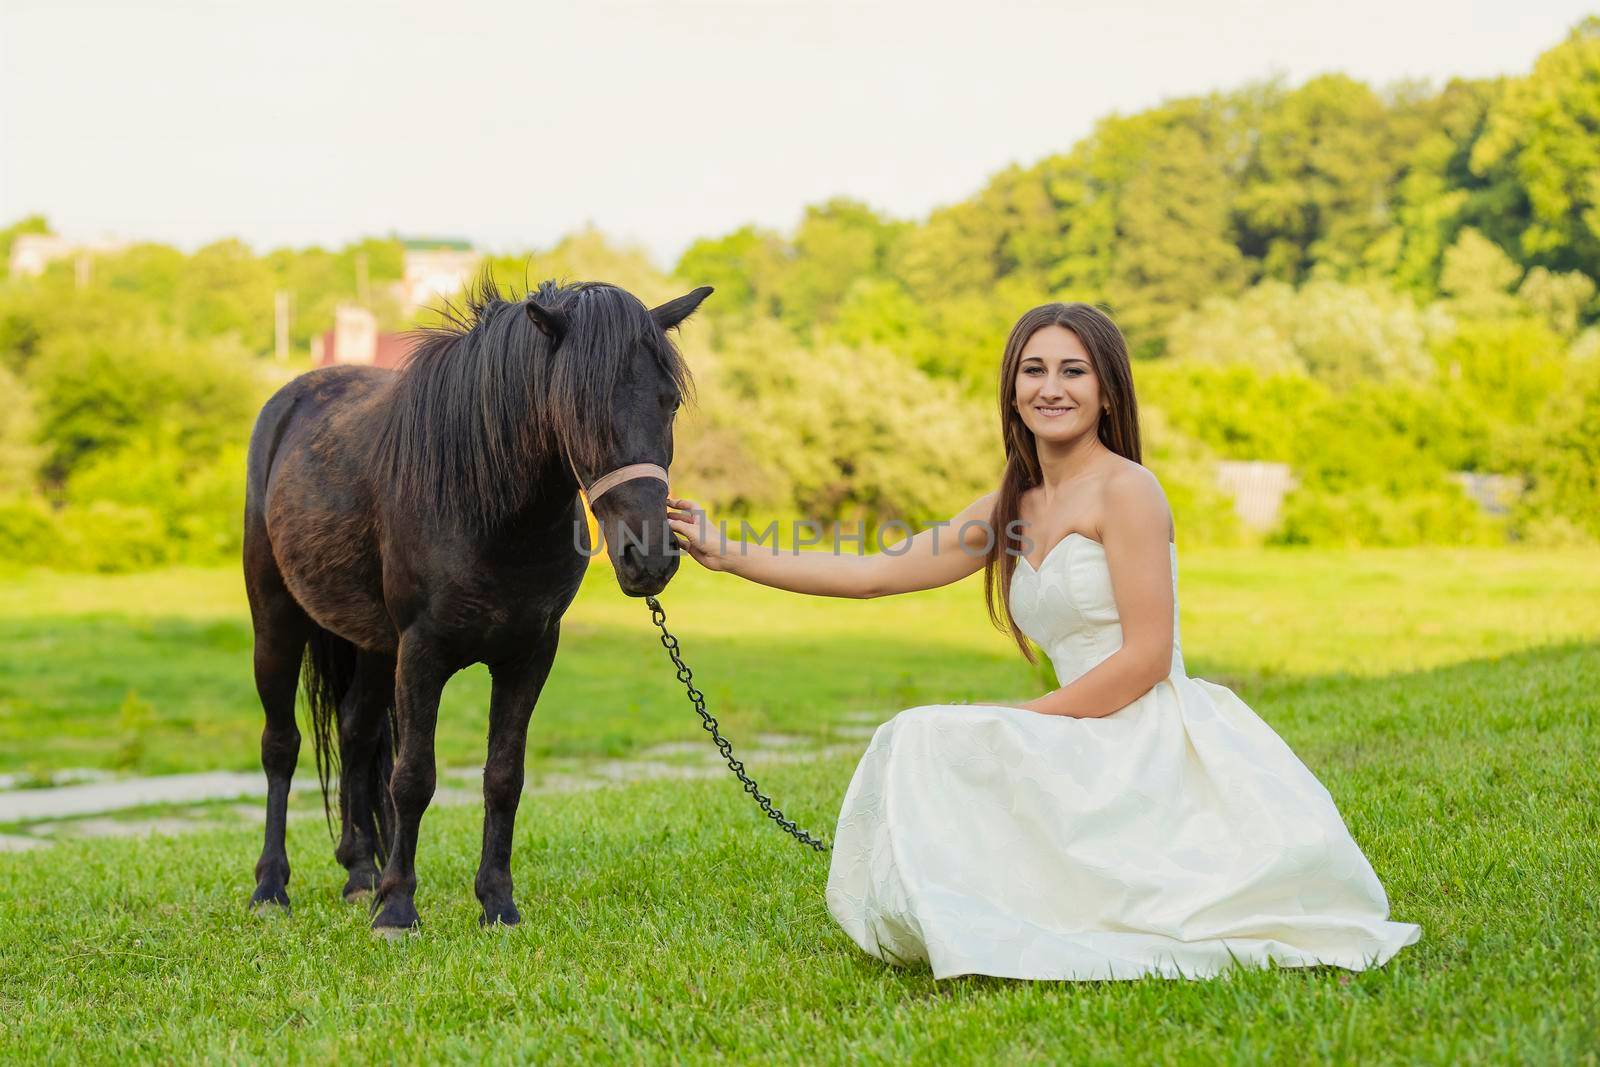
(435, 271)
(355, 338)
(1493, 493)
(31, 253)
(1257, 488)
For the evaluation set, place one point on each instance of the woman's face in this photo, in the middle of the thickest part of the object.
(1057, 390)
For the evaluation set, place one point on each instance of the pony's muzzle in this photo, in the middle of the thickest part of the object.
(644, 573)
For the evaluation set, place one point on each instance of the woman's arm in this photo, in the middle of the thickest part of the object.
(937, 556)
(1134, 533)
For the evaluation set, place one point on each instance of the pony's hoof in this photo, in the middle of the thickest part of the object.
(396, 933)
(504, 918)
(358, 895)
(269, 902)
(396, 918)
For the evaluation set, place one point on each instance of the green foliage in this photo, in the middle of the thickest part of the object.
(19, 455)
(317, 281)
(746, 269)
(98, 392)
(1380, 290)
(1540, 134)
(1561, 300)
(587, 255)
(193, 504)
(226, 291)
(1562, 461)
(836, 243)
(849, 436)
(1368, 515)
(1150, 202)
(1478, 276)
(1233, 409)
(1202, 513)
(1323, 157)
(29, 535)
(1342, 335)
(1506, 369)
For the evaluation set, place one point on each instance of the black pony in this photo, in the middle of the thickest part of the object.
(402, 525)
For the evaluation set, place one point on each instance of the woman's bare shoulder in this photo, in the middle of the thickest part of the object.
(1130, 492)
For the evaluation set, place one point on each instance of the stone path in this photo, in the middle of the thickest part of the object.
(41, 816)
(27, 805)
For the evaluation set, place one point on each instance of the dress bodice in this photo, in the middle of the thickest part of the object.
(1066, 607)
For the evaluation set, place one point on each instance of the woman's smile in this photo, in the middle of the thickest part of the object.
(1052, 412)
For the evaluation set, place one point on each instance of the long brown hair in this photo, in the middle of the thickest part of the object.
(1118, 431)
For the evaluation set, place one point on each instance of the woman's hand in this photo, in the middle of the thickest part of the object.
(695, 533)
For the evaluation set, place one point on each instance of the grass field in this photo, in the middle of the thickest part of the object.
(150, 673)
(1448, 700)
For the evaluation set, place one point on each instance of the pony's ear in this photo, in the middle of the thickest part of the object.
(671, 313)
(551, 323)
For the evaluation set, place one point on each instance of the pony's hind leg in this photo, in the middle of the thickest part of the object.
(365, 760)
(420, 676)
(516, 690)
(280, 638)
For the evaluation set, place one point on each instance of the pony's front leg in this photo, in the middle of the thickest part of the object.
(420, 676)
(516, 690)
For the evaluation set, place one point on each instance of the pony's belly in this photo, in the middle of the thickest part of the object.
(332, 568)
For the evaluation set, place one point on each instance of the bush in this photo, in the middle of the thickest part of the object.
(1369, 515)
(99, 393)
(196, 500)
(1562, 503)
(29, 535)
(1343, 335)
(848, 435)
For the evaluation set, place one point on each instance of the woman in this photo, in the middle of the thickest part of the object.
(1134, 821)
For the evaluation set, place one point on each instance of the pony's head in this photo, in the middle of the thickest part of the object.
(615, 385)
(512, 400)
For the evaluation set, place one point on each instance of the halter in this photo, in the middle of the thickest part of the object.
(620, 475)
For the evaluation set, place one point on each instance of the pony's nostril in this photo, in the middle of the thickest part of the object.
(630, 556)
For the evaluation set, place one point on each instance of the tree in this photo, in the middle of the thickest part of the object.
(1145, 208)
(1478, 276)
(855, 435)
(1318, 182)
(1542, 134)
(1343, 335)
(98, 392)
(1562, 301)
(1562, 501)
(1437, 192)
(745, 267)
(19, 455)
(836, 243)
(227, 290)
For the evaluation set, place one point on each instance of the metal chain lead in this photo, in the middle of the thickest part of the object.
(686, 676)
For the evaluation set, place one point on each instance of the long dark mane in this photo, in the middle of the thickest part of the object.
(487, 401)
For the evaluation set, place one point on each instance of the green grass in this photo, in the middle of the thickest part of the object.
(665, 921)
(1450, 701)
(151, 672)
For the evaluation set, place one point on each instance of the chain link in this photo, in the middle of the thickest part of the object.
(686, 676)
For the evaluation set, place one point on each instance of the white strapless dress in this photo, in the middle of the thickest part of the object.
(1173, 837)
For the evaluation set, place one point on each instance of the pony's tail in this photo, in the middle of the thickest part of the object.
(378, 787)
(327, 673)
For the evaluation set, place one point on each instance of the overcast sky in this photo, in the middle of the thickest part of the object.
(290, 122)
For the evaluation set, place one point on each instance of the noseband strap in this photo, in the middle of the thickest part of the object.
(625, 474)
